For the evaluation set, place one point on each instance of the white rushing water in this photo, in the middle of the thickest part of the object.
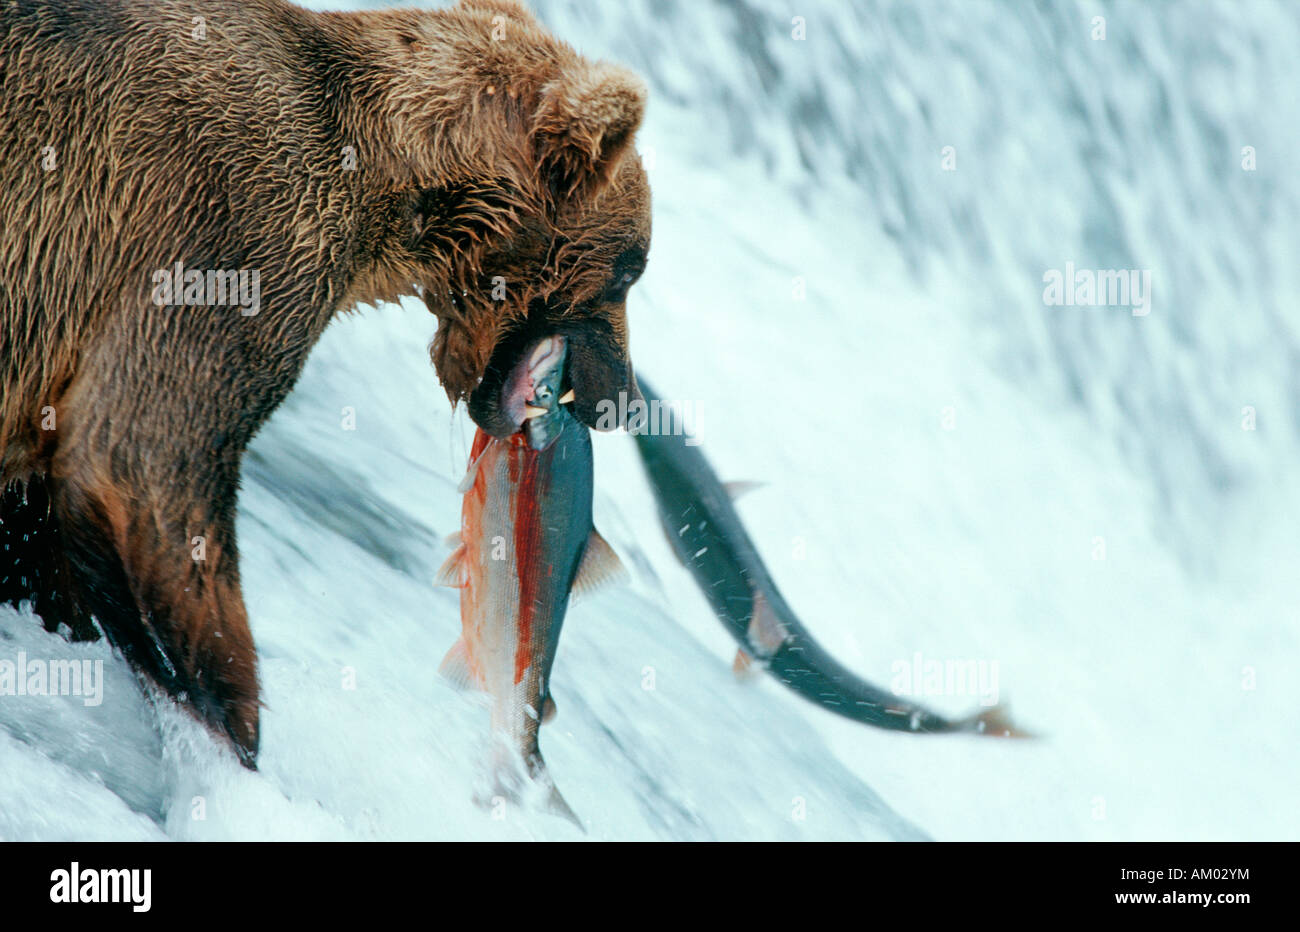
(1066, 495)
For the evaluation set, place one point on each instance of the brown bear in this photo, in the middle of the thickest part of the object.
(189, 191)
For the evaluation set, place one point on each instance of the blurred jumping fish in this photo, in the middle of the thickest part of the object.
(706, 534)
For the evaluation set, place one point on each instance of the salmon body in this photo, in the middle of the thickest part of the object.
(706, 534)
(526, 537)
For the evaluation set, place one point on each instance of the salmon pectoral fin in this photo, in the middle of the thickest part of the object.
(736, 488)
(766, 632)
(452, 571)
(743, 666)
(455, 666)
(600, 566)
(452, 540)
(548, 710)
(472, 471)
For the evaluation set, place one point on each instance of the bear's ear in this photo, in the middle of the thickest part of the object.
(510, 8)
(585, 121)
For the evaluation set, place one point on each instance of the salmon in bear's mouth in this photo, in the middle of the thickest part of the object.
(519, 394)
(597, 373)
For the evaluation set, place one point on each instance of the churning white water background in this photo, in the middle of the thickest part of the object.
(953, 467)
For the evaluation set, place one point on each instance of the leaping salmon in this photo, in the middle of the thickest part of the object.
(526, 542)
(706, 534)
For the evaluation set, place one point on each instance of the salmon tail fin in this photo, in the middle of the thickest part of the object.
(995, 723)
(556, 805)
(540, 780)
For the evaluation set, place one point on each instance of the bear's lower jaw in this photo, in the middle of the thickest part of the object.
(599, 373)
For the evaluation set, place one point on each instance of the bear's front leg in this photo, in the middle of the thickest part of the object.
(152, 556)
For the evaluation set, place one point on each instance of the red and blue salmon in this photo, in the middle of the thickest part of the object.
(526, 543)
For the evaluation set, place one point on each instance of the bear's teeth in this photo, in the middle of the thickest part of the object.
(566, 397)
(531, 412)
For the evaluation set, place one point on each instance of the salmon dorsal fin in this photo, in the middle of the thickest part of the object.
(600, 566)
(736, 488)
(452, 571)
(455, 666)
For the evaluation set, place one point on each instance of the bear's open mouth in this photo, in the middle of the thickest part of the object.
(598, 374)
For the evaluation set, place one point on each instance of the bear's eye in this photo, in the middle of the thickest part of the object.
(616, 290)
(627, 269)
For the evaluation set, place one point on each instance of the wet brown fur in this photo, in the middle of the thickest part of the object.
(480, 160)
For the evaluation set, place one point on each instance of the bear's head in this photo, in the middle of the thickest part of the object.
(522, 207)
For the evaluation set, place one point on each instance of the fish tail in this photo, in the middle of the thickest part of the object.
(995, 723)
(557, 805)
(525, 786)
